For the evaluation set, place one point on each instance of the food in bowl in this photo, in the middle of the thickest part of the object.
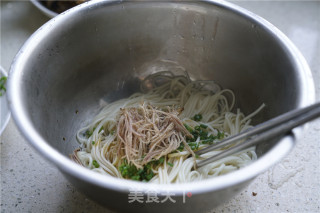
(4, 110)
(152, 136)
(3, 81)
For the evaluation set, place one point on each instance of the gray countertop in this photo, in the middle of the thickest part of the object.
(31, 184)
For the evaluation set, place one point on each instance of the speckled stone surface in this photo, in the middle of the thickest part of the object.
(31, 184)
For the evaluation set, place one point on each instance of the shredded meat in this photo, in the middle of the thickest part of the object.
(145, 133)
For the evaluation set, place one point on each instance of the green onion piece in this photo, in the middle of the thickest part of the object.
(194, 145)
(2, 84)
(211, 137)
(203, 126)
(203, 135)
(135, 177)
(88, 133)
(93, 142)
(149, 176)
(188, 140)
(129, 171)
(195, 135)
(205, 141)
(197, 117)
(220, 135)
(161, 160)
(140, 171)
(188, 128)
(170, 164)
(95, 164)
(181, 147)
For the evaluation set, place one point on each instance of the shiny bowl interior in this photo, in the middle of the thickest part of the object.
(101, 50)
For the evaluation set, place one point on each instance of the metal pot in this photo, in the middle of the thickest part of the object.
(101, 50)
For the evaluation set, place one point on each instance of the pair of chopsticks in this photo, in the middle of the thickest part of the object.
(277, 126)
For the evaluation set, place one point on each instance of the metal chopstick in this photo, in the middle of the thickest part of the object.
(269, 129)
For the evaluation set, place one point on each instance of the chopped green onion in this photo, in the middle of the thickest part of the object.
(195, 135)
(203, 135)
(135, 177)
(220, 135)
(203, 126)
(194, 145)
(197, 117)
(170, 164)
(212, 137)
(188, 128)
(95, 164)
(205, 141)
(161, 160)
(181, 147)
(88, 133)
(2, 85)
(130, 171)
(189, 140)
(93, 142)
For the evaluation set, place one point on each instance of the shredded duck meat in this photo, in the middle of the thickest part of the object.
(145, 133)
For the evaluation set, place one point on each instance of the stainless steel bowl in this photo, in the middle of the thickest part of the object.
(102, 49)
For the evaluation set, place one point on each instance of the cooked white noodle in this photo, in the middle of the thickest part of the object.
(195, 98)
